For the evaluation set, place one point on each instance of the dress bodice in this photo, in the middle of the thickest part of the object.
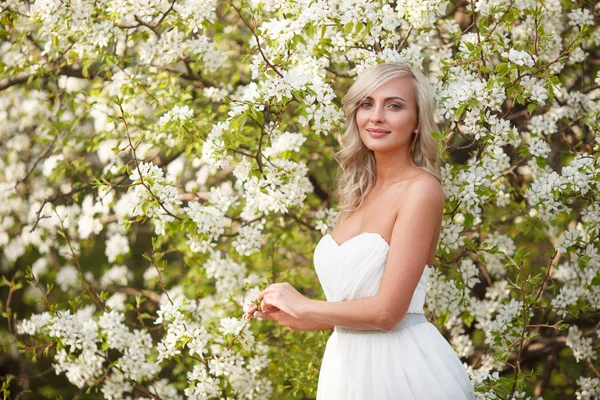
(353, 270)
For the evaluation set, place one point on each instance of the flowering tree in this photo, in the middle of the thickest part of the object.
(163, 161)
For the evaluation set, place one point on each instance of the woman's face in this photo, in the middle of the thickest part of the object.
(388, 116)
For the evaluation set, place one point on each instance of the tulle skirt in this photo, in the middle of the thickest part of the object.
(412, 363)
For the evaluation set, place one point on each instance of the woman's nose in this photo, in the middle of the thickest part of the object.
(376, 114)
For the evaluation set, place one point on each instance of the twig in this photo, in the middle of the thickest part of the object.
(85, 283)
(40, 158)
(137, 166)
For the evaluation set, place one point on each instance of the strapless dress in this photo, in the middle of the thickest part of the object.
(412, 361)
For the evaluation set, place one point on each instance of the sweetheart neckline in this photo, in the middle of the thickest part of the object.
(356, 236)
(427, 267)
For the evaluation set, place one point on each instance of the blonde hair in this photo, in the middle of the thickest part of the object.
(356, 175)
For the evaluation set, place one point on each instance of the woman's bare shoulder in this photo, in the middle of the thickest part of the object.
(424, 188)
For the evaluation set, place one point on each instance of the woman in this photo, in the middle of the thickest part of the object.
(375, 264)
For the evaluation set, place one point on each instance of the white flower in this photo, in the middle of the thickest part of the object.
(589, 388)
(539, 147)
(115, 386)
(535, 87)
(450, 238)
(581, 346)
(249, 239)
(521, 58)
(469, 273)
(117, 301)
(68, 278)
(231, 326)
(286, 141)
(117, 275)
(569, 238)
(580, 17)
(116, 245)
(204, 386)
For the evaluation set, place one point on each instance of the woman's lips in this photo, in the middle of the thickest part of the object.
(377, 133)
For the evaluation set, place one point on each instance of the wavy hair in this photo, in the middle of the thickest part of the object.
(356, 175)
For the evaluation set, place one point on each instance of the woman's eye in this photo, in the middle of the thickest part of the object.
(365, 104)
(395, 106)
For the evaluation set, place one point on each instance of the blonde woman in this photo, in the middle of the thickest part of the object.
(374, 265)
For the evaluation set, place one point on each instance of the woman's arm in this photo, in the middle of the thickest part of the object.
(418, 220)
(293, 323)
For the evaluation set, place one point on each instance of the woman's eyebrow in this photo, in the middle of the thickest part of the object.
(388, 98)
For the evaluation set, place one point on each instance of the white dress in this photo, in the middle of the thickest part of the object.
(412, 361)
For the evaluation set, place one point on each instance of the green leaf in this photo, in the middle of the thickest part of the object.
(461, 109)
(348, 28)
(541, 162)
(501, 69)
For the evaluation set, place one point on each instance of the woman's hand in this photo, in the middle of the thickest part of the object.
(285, 319)
(280, 297)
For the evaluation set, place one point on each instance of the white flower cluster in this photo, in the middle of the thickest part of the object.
(580, 17)
(478, 378)
(177, 114)
(569, 238)
(119, 275)
(225, 364)
(87, 224)
(461, 342)
(460, 88)
(250, 238)
(196, 12)
(469, 273)
(521, 58)
(590, 215)
(589, 388)
(283, 185)
(505, 323)
(539, 147)
(326, 219)
(505, 246)
(228, 274)
(421, 14)
(282, 142)
(81, 337)
(135, 346)
(205, 50)
(450, 238)
(544, 124)
(231, 326)
(68, 278)
(79, 358)
(210, 222)
(548, 188)
(443, 296)
(152, 203)
(577, 275)
(581, 173)
(164, 50)
(535, 89)
(117, 244)
(214, 151)
(581, 346)
(544, 193)
(181, 332)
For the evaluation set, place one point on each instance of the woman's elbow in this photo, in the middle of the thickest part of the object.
(386, 325)
(388, 321)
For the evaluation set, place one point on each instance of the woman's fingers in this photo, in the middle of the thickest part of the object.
(268, 290)
(264, 315)
(249, 314)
